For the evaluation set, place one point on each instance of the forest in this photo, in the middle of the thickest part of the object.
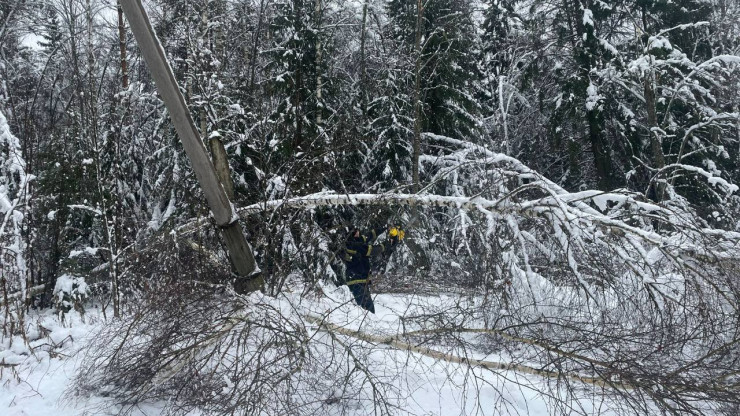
(566, 173)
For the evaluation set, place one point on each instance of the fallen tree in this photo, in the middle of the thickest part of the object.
(605, 289)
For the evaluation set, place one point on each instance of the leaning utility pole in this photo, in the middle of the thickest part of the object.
(240, 252)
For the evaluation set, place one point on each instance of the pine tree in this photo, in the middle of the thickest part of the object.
(435, 65)
(448, 72)
(302, 89)
(496, 49)
(582, 110)
(294, 59)
(689, 121)
(498, 83)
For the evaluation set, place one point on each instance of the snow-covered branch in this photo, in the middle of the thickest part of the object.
(14, 197)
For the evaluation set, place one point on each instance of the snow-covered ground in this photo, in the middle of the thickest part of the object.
(438, 387)
(38, 381)
(36, 376)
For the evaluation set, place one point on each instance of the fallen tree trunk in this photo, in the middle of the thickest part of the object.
(531, 208)
(396, 342)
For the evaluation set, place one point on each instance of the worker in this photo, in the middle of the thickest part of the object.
(358, 250)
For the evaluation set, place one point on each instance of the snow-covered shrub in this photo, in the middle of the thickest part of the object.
(70, 292)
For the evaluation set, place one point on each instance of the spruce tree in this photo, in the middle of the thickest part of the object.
(445, 66)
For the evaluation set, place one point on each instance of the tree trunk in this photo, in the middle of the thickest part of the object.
(655, 141)
(656, 146)
(122, 48)
(417, 99)
(255, 44)
(216, 145)
(298, 86)
(117, 239)
(602, 158)
(363, 64)
(319, 104)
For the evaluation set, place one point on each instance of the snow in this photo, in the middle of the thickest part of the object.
(43, 370)
(716, 181)
(14, 195)
(436, 387)
(159, 217)
(421, 384)
(719, 182)
(640, 65)
(659, 42)
(32, 41)
(15, 162)
(588, 18)
(387, 171)
(275, 186)
(87, 250)
(44, 367)
(85, 208)
(73, 287)
(593, 98)
(609, 47)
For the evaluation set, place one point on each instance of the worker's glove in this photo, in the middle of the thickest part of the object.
(395, 235)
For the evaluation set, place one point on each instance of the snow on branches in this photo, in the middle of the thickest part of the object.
(14, 195)
(546, 234)
(648, 289)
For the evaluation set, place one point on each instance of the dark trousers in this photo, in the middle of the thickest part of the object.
(362, 296)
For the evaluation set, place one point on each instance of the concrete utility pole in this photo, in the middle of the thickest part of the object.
(240, 252)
